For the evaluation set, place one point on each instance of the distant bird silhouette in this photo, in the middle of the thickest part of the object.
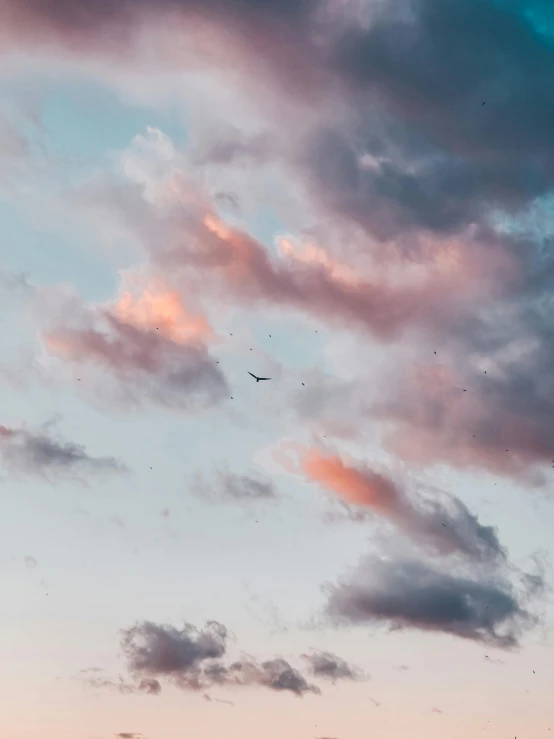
(258, 378)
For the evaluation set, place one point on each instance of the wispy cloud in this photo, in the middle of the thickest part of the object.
(38, 452)
(225, 485)
(443, 525)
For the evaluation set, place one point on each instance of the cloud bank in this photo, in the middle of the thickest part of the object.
(192, 659)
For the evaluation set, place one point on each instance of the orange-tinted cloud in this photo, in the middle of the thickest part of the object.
(441, 525)
(365, 488)
(234, 263)
(157, 308)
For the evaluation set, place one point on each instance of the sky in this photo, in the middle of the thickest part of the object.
(353, 199)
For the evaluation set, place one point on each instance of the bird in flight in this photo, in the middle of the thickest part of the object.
(259, 378)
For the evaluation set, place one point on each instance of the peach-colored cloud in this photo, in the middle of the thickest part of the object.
(160, 309)
(309, 253)
(441, 524)
(238, 265)
(147, 342)
(366, 488)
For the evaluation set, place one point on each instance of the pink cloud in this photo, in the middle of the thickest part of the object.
(148, 343)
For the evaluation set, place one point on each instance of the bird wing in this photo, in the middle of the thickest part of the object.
(264, 378)
(251, 375)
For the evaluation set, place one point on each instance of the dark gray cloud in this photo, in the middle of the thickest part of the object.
(192, 659)
(38, 453)
(329, 666)
(446, 525)
(408, 593)
(418, 88)
(414, 85)
(158, 649)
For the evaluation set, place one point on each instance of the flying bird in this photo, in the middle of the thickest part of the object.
(258, 378)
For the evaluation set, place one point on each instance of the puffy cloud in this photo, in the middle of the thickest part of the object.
(443, 525)
(165, 650)
(193, 660)
(147, 342)
(37, 452)
(407, 593)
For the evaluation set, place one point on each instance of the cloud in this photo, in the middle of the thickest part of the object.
(166, 209)
(37, 453)
(230, 486)
(88, 29)
(329, 666)
(409, 158)
(501, 423)
(443, 525)
(410, 594)
(412, 90)
(156, 649)
(129, 735)
(147, 343)
(276, 674)
(433, 88)
(443, 292)
(192, 659)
